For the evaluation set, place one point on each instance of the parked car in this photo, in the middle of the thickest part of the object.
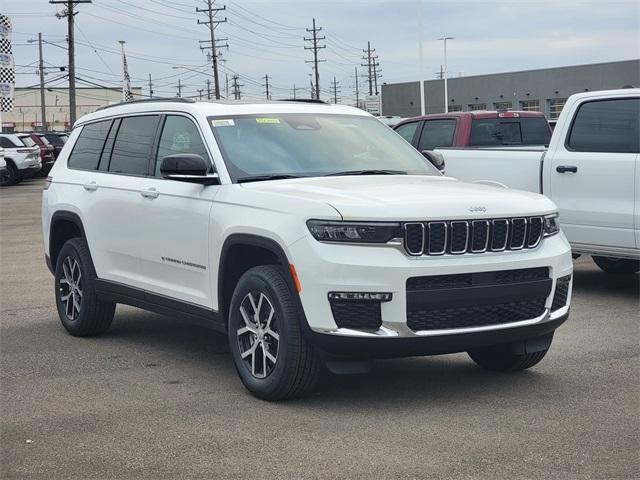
(47, 151)
(22, 161)
(308, 233)
(57, 139)
(591, 170)
(475, 129)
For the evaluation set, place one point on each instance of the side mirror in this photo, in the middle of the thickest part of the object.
(436, 159)
(187, 167)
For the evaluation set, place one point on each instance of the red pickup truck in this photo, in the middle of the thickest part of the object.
(475, 129)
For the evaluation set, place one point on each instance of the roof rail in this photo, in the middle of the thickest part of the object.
(302, 100)
(148, 100)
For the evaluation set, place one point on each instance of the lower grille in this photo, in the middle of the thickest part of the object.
(356, 315)
(442, 302)
(561, 294)
(480, 316)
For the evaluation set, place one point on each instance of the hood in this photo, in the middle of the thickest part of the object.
(409, 197)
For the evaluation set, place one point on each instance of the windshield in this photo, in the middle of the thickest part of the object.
(309, 144)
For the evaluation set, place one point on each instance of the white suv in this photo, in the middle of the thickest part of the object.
(313, 235)
(21, 160)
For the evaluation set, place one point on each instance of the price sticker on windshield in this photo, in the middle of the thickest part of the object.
(222, 122)
(267, 120)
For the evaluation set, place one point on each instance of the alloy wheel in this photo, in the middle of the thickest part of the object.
(71, 288)
(258, 337)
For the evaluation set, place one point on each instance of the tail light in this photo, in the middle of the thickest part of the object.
(47, 182)
(24, 150)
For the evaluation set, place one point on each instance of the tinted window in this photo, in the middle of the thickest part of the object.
(437, 133)
(535, 131)
(606, 126)
(408, 130)
(179, 135)
(28, 142)
(86, 152)
(494, 131)
(6, 143)
(133, 145)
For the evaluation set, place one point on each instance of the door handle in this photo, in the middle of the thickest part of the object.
(566, 168)
(150, 192)
(90, 187)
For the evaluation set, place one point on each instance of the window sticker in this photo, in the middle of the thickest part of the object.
(223, 122)
(267, 120)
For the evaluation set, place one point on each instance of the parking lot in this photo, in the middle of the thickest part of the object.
(154, 398)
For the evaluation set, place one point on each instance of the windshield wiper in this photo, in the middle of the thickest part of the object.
(367, 172)
(260, 178)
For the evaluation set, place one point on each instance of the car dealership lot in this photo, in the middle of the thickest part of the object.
(154, 398)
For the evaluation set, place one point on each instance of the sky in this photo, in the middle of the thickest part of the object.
(266, 37)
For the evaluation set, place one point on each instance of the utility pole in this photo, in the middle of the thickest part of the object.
(372, 66)
(43, 108)
(200, 90)
(179, 88)
(446, 93)
(315, 47)
(357, 88)
(236, 88)
(210, 11)
(150, 87)
(70, 16)
(335, 86)
(208, 89)
(440, 74)
(295, 90)
(266, 85)
(226, 85)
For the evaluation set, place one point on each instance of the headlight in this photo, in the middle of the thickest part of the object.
(551, 225)
(356, 232)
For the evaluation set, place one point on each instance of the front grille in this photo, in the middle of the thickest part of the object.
(472, 236)
(356, 314)
(478, 316)
(464, 300)
(561, 294)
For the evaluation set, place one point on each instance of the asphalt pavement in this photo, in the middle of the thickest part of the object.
(154, 398)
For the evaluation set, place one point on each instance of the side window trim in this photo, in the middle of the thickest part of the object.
(151, 170)
(107, 146)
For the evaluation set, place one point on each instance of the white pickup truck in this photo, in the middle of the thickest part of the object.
(591, 170)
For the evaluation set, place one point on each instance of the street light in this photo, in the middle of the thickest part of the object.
(444, 74)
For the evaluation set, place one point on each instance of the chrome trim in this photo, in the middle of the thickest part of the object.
(473, 229)
(539, 239)
(446, 238)
(466, 237)
(524, 237)
(506, 237)
(421, 252)
(399, 330)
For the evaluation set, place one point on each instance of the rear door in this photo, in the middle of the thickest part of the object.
(436, 133)
(593, 172)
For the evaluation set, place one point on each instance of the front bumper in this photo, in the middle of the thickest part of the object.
(324, 268)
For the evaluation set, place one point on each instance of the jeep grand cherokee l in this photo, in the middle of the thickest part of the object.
(312, 235)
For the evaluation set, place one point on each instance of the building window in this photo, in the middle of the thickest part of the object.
(455, 108)
(477, 106)
(554, 107)
(503, 105)
(530, 105)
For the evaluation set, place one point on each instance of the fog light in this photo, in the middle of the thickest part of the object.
(360, 296)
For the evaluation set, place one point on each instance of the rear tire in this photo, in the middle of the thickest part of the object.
(10, 176)
(506, 362)
(273, 358)
(618, 266)
(81, 312)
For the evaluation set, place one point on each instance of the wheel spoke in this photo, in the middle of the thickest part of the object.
(269, 318)
(273, 334)
(253, 305)
(76, 303)
(67, 275)
(268, 355)
(250, 351)
(65, 298)
(245, 317)
(243, 330)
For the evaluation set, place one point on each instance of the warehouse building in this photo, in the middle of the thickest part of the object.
(27, 115)
(545, 90)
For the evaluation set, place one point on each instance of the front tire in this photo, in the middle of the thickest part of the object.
(619, 266)
(506, 362)
(10, 176)
(271, 354)
(81, 312)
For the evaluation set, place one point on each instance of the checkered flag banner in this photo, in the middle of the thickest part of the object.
(128, 96)
(7, 66)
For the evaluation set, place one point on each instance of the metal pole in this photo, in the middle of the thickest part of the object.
(150, 87)
(43, 108)
(124, 81)
(72, 65)
(357, 89)
(446, 92)
(420, 53)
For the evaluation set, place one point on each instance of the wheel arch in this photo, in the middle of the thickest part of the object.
(241, 252)
(64, 226)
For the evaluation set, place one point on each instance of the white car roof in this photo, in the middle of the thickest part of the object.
(218, 108)
(619, 92)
